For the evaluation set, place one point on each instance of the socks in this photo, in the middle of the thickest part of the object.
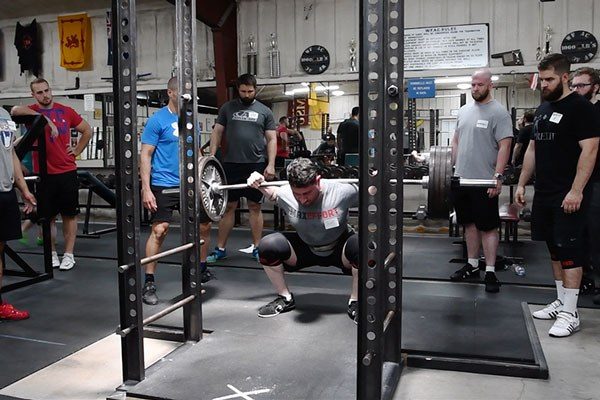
(474, 262)
(560, 291)
(490, 268)
(149, 278)
(287, 296)
(351, 300)
(571, 297)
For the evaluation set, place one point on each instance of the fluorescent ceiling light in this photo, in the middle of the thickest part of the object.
(324, 88)
(296, 91)
(460, 79)
(463, 86)
(305, 84)
(337, 92)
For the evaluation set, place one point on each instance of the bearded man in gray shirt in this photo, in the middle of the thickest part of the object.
(480, 150)
(318, 210)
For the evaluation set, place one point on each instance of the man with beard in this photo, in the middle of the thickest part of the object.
(480, 150)
(251, 145)
(61, 190)
(586, 82)
(562, 153)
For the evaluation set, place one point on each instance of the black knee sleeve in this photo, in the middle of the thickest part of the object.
(351, 250)
(553, 251)
(569, 257)
(274, 249)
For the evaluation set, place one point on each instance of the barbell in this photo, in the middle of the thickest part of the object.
(214, 188)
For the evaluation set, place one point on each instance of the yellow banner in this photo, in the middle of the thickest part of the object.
(75, 34)
(318, 107)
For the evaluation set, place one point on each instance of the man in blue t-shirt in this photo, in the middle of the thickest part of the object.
(159, 172)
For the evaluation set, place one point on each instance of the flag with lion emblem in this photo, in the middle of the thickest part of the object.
(75, 33)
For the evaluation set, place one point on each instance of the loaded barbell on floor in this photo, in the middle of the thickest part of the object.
(213, 185)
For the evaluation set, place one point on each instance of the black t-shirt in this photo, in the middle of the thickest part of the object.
(557, 129)
(596, 174)
(348, 135)
(523, 137)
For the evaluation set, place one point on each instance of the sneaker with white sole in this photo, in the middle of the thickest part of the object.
(276, 307)
(550, 311)
(67, 262)
(565, 324)
(55, 260)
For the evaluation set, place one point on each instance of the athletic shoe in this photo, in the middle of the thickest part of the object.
(7, 311)
(255, 254)
(55, 260)
(39, 241)
(565, 324)
(276, 307)
(67, 263)
(465, 273)
(353, 311)
(216, 255)
(597, 299)
(149, 293)
(550, 311)
(206, 276)
(492, 284)
(24, 239)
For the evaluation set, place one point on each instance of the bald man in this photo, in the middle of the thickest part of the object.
(480, 150)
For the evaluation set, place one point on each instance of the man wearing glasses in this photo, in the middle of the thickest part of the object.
(586, 82)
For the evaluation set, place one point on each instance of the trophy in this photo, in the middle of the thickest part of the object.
(274, 64)
(251, 56)
(548, 36)
(352, 51)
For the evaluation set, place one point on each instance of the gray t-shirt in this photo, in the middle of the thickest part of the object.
(479, 128)
(245, 128)
(322, 223)
(7, 138)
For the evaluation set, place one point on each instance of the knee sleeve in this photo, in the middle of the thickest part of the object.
(553, 251)
(351, 250)
(274, 249)
(569, 257)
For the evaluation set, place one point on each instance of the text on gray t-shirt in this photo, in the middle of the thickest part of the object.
(323, 222)
(7, 137)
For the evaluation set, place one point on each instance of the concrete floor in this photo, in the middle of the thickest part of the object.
(94, 372)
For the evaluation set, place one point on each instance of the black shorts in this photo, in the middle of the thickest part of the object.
(306, 258)
(10, 216)
(58, 194)
(474, 206)
(549, 223)
(239, 173)
(166, 203)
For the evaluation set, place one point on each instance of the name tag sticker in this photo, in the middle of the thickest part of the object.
(331, 223)
(482, 123)
(556, 117)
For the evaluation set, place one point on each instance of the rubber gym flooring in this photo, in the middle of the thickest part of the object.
(317, 340)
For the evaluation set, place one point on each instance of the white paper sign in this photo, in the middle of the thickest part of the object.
(88, 102)
(446, 47)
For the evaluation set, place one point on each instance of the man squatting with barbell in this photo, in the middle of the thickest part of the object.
(318, 210)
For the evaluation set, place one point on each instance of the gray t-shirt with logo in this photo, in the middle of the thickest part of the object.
(245, 128)
(322, 223)
(479, 128)
(7, 138)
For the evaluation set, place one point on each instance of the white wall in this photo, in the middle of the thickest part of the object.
(155, 49)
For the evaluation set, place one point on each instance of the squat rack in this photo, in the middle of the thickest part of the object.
(380, 288)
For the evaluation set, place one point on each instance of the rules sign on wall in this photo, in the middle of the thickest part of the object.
(446, 47)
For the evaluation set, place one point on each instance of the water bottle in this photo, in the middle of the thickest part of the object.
(519, 269)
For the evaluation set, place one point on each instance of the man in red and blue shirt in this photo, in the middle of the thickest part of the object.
(61, 189)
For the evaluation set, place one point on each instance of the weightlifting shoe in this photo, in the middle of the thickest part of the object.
(565, 324)
(149, 293)
(276, 307)
(7, 311)
(206, 276)
(550, 311)
(353, 311)
(55, 260)
(67, 263)
(216, 255)
(255, 254)
(492, 284)
(466, 273)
